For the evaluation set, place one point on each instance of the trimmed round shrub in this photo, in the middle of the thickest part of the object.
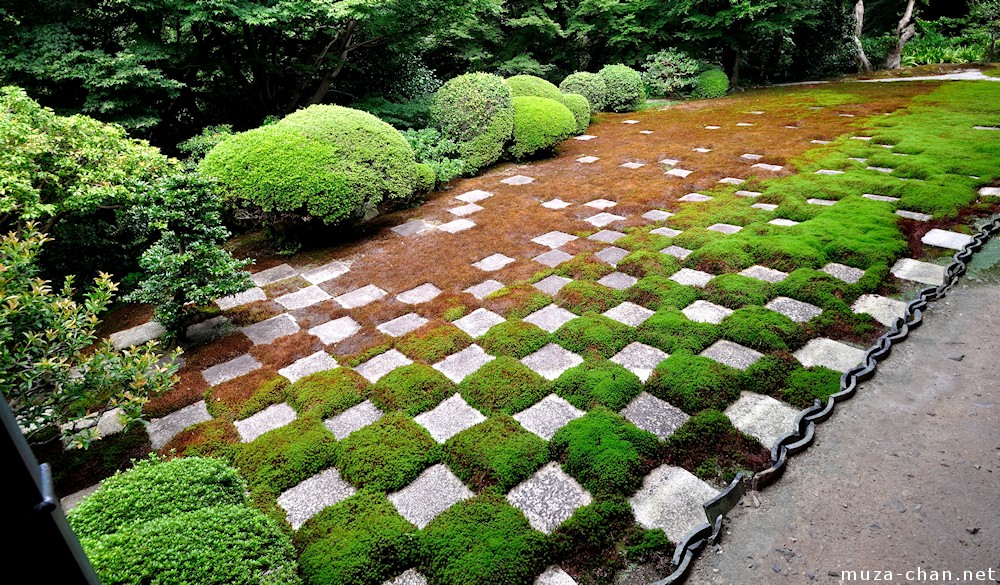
(539, 124)
(477, 112)
(328, 162)
(522, 85)
(590, 86)
(625, 88)
(580, 108)
(711, 84)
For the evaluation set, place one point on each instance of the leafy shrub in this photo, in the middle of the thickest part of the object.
(523, 64)
(713, 83)
(476, 111)
(284, 457)
(590, 85)
(804, 385)
(694, 383)
(735, 291)
(669, 72)
(761, 329)
(670, 330)
(514, 338)
(582, 296)
(437, 152)
(539, 125)
(433, 342)
(503, 385)
(482, 541)
(325, 394)
(329, 162)
(598, 382)
(496, 452)
(529, 85)
(659, 292)
(412, 389)
(426, 179)
(594, 332)
(578, 105)
(625, 91)
(605, 453)
(387, 454)
(412, 114)
(708, 445)
(199, 145)
(362, 540)
(212, 438)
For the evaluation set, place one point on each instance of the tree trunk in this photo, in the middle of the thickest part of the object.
(859, 22)
(905, 30)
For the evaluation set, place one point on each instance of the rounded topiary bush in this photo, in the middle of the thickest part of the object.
(539, 124)
(590, 86)
(625, 88)
(711, 84)
(476, 111)
(522, 85)
(580, 108)
(328, 162)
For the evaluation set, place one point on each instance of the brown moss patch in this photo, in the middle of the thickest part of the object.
(231, 399)
(189, 388)
(285, 350)
(433, 342)
(517, 300)
(213, 438)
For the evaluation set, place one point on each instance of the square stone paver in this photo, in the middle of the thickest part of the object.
(630, 121)
(326, 272)
(826, 202)
(242, 298)
(640, 359)
(317, 362)
(400, 326)
(210, 329)
(407, 577)
(552, 258)
(484, 289)
(518, 180)
(377, 367)
(883, 309)
(137, 335)
(704, 150)
(732, 181)
(797, 311)
(830, 354)
(474, 196)
(677, 252)
(783, 222)
(449, 418)
(280, 272)
(412, 228)
(848, 274)
(818, 142)
(587, 159)
(914, 215)
(548, 415)
(764, 273)
(695, 198)
(886, 170)
(657, 215)
(917, 271)
(493, 262)
(670, 162)
(548, 498)
(459, 365)
(745, 193)
(604, 218)
(612, 255)
(645, 131)
(459, 225)
(230, 370)
(990, 191)
(336, 330)
(478, 322)
(618, 281)
(884, 198)
(433, 492)
(629, 313)
(829, 172)
(467, 209)
(421, 294)
(743, 124)
(765, 206)
(601, 203)
(554, 576)
(702, 311)
(584, 137)
(554, 239)
(551, 285)
(665, 231)
(679, 172)
(551, 361)
(302, 298)
(161, 430)
(307, 499)
(724, 228)
(672, 499)
(946, 239)
(360, 297)
(767, 167)
(550, 317)
(691, 277)
(354, 418)
(606, 236)
(732, 354)
(272, 417)
(712, 127)
(633, 165)
(749, 156)
(656, 416)
(762, 417)
(556, 204)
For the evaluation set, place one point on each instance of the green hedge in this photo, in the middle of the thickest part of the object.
(711, 84)
(580, 108)
(590, 85)
(539, 125)
(477, 112)
(529, 85)
(625, 88)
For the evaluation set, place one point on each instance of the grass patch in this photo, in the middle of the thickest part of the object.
(497, 452)
(503, 385)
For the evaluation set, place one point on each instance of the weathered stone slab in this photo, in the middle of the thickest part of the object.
(848, 274)
(554, 576)
(302, 298)
(354, 418)
(829, 172)
(767, 167)
(326, 272)
(317, 362)
(633, 165)
(408, 577)
(584, 137)
(612, 255)
(449, 418)
(712, 127)
(336, 330)
(587, 159)
(725, 228)
(990, 192)
(400, 326)
(883, 309)
(671, 499)
(745, 193)
(819, 142)
(665, 231)
(830, 354)
(604, 218)
(551, 361)
(640, 359)
(360, 297)
(670, 162)
(601, 203)
(484, 289)
(914, 215)
(421, 294)
(629, 313)
(377, 367)
(554, 239)
(656, 416)
(732, 181)
(797, 311)
(885, 198)
(161, 430)
(552, 258)
(645, 131)
(272, 417)
(478, 322)
(630, 121)
(550, 317)
(783, 222)
(308, 498)
(474, 196)
(744, 124)
(242, 298)
(732, 354)
(702, 150)
(762, 417)
(551, 285)
(460, 365)
(886, 170)
(946, 239)
(917, 271)
(751, 156)
(412, 228)
(230, 370)
(826, 202)
(657, 215)
(547, 416)
(676, 252)
(137, 335)
(556, 204)
(606, 236)
(433, 492)
(493, 262)
(679, 172)
(73, 500)
(518, 180)
(695, 198)
(764, 273)
(702, 311)
(467, 209)
(618, 281)
(459, 225)
(267, 331)
(690, 277)
(765, 206)
(280, 272)
(548, 498)
(865, 138)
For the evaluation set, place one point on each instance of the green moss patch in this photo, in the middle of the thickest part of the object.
(503, 385)
(517, 300)
(762, 329)
(433, 342)
(514, 338)
(387, 455)
(412, 389)
(670, 330)
(657, 292)
(735, 291)
(280, 459)
(598, 381)
(496, 452)
(584, 266)
(694, 383)
(645, 263)
(596, 333)
(581, 296)
(709, 446)
(328, 393)
(806, 385)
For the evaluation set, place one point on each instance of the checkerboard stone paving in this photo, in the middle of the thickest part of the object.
(554, 239)
(433, 492)
(474, 196)
(326, 272)
(618, 281)
(556, 204)
(702, 311)
(671, 499)
(629, 313)
(689, 277)
(656, 416)
(408, 577)
(601, 203)
(360, 297)
(230, 370)
(424, 293)
(268, 330)
(914, 215)
(161, 430)
(732, 354)
(302, 298)
(280, 272)
(246, 297)
(551, 361)
(353, 419)
(518, 180)
(829, 354)
(478, 322)
(797, 311)
(311, 364)
(552, 258)
(917, 271)
(550, 317)
(308, 498)
(551, 285)
(336, 330)
(946, 239)
(272, 417)
(548, 498)
(612, 255)
(764, 273)
(467, 209)
(762, 417)
(484, 289)
(724, 228)
(677, 252)
(459, 225)
(400, 326)
(493, 262)
(374, 369)
(604, 218)
(848, 274)
(657, 215)
(458, 366)
(547, 416)
(882, 309)
(640, 359)
(783, 222)
(695, 198)
(412, 228)
(665, 231)
(449, 418)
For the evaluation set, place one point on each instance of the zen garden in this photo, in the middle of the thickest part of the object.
(460, 292)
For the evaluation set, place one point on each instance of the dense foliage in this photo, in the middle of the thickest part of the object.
(590, 86)
(711, 84)
(625, 90)
(476, 111)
